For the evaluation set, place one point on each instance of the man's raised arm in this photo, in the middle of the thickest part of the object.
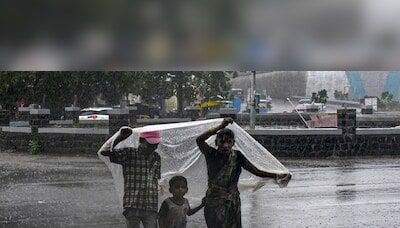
(125, 133)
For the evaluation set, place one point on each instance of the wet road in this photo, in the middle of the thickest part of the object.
(279, 106)
(56, 191)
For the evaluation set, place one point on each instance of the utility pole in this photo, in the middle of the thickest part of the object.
(252, 102)
(179, 92)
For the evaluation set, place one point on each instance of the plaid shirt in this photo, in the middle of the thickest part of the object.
(141, 176)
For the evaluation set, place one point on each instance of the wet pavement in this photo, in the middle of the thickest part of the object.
(76, 191)
(280, 106)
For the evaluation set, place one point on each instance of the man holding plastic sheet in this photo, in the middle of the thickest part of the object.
(222, 202)
(141, 170)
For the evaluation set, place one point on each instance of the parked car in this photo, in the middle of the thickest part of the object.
(313, 107)
(305, 101)
(94, 114)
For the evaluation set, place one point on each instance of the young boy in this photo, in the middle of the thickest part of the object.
(173, 210)
(224, 166)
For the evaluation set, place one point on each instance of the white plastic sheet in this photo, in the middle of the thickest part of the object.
(181, 156)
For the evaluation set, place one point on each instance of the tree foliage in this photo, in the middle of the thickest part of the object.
(320, 97)
(339, 95)
(56, 90)
(387, 103)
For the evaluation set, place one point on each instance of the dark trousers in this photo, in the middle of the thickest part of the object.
(135, 217)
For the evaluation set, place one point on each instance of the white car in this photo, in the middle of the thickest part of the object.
(94, 114)
(305, 101)
(313, 107)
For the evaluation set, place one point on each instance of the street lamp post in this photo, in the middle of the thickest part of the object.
(252, 102)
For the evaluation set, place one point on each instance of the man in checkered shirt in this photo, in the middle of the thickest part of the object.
(141, 169)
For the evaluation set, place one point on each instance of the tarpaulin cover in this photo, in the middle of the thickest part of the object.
(181, 156)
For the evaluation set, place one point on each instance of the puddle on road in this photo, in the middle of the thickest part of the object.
(340, 185)
(346, 195)
(70, 184)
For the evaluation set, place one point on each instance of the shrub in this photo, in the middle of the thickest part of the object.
(35, 147)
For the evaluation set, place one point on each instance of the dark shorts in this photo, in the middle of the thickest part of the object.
(134, 217)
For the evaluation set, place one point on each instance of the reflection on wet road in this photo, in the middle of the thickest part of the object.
(58, 191)
(332, 193)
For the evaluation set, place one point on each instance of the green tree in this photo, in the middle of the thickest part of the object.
(53, 90)
(186, 85)
(339, 95)
(322, 96)
(387, 103)
(182, 85)
(153, 86)
(212, 84)
(12, 88)
(56, 90)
